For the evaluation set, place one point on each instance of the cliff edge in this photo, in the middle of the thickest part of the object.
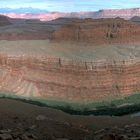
(99, 31)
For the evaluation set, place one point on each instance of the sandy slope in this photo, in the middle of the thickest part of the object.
(69, 51)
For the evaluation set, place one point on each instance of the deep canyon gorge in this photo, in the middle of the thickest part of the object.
(50, 73)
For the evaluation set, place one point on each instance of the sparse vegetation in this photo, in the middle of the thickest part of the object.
(116, 107)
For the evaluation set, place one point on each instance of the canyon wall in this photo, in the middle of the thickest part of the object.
(67, 79)
(99, 31)
(94, 31)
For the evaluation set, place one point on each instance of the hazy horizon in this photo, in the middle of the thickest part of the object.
(69, 6)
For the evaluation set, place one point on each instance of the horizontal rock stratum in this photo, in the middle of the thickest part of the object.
(99, 31)
(68, 80)
(58, 66)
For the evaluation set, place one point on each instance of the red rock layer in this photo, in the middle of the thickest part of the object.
(100, 31)
(44, 77)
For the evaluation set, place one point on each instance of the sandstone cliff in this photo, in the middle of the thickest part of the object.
(101, 31)
(70, 80)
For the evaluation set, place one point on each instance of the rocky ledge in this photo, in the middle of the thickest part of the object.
(99, 31)
(71, 80)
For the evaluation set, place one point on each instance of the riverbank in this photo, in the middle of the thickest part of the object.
(111, 107)
(20, 119)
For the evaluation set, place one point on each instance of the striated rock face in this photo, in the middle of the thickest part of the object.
(71, 80)
(102, 31)
(48, 77)
(99, 31)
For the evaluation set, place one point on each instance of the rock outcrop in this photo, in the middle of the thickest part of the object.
(101, 31)
(70, 80)
(73, 80)
(98, 31)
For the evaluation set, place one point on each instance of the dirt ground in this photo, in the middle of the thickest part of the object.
(21, 120)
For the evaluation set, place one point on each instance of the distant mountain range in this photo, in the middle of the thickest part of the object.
(22, 10)
(32, 13)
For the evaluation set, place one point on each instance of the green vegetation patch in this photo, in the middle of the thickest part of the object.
(114, 107)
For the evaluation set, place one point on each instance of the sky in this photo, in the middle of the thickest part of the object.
(70, 5)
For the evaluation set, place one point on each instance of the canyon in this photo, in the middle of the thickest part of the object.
(70, 59)
(45, 77)
(70, 76)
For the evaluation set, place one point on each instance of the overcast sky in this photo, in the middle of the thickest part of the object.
(70, 5)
